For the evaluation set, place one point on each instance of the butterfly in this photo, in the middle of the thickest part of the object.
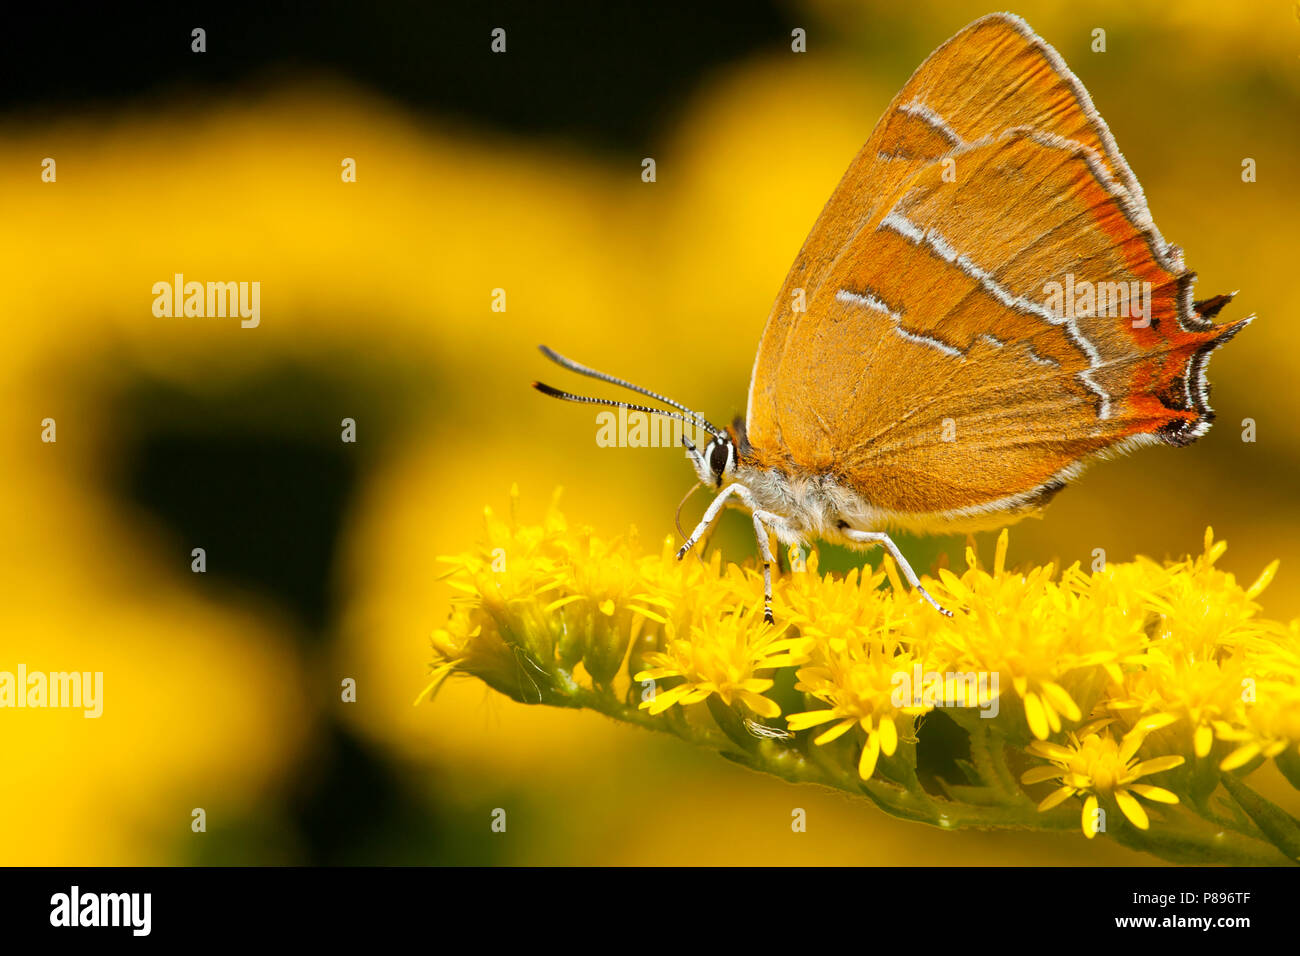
(983, 306)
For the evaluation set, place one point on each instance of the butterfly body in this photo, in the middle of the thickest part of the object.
(983, 306)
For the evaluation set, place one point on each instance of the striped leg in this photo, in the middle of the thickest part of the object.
(709, 514)
(762, 521)
(765, 549)
(879, 537)
(766, 522)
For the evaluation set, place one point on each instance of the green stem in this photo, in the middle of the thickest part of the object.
(1181, 835)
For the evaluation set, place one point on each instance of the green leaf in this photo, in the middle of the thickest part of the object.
(1288, 762)
(1278, 825)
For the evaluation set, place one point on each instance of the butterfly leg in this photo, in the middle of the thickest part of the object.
(765, 549)
(709, 514)
(765, 522)
(762, 520)
(879, 537)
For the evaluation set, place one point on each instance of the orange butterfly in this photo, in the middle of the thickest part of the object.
(983, 305)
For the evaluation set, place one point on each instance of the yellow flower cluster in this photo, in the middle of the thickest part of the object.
(1092, 679)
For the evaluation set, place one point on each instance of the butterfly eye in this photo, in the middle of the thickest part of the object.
(719, 453)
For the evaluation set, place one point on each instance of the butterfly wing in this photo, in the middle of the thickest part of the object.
(938, 369)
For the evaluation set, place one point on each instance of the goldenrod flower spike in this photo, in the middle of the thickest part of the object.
(723, 658)
(1100, 681)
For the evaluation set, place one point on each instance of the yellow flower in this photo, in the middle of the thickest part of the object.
(722, 657)
(1099, 766)
(1173, 681)
(1034, 632)
(1274, 726)
(1205, 607)
(857, 679)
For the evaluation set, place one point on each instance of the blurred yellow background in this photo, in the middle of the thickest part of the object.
(221, 693)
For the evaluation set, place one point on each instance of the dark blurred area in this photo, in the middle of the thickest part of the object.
(606, 75)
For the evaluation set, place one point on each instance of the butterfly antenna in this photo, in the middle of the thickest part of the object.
(589, 400)
(573, 366)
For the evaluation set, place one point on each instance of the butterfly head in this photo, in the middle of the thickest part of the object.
(715, 463)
